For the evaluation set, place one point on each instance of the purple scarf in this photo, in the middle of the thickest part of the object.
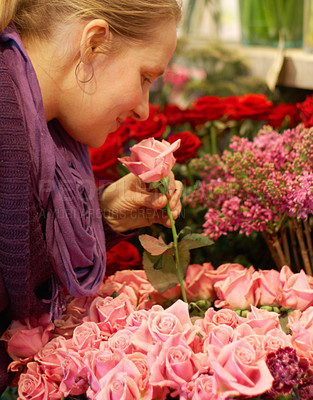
(63, 185)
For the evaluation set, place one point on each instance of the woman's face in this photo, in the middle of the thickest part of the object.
(118, 89)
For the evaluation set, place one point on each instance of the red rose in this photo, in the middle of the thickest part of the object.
(249, 106)
(283, 111)
(123, 255)
(174, 115)
(306, 110)
(154, 126)
(207, 108)
(104, 158)
(189, 146)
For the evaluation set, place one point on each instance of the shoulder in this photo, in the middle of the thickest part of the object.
(11, 116)
(6, 79)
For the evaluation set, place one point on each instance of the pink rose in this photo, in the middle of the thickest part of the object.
(87, 335)
(121, 340)
(174, 366)
(302, 341)
(270, 288)
(99, 363)
(262, 321)
(73, 373)
(151, 160)
(222, 272)
(34, 385)
(111, 312)
(72, 316)
(26, 338)
(218, 337)
(256, 341)
(135, 279)
(140, 360)
(238, 290)
(301, 318)
(237, 369)
(204, 387)
(122, 382)
(301, 325)
(177, 75)
(48, 358)
(58, 342)
(110, 286)
(297, 289)
(135, 319)
(199, 284)
(63, 365)
(162, 324)
(275, 339)
(214, 318)
(134, 284)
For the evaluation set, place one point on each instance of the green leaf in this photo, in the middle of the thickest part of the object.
(164, 278)
(193, 241)
(153, 245)
(184, 232)
(283, 321)
(184, 259)
(162, 185)
(155, 185)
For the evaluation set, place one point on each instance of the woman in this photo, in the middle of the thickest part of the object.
(70, 72)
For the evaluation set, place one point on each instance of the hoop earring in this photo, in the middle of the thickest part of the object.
(87, 80)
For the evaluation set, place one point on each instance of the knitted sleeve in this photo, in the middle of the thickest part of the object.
(23, 263)
(14, 189)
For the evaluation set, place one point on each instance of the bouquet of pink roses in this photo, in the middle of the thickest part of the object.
(122, 344)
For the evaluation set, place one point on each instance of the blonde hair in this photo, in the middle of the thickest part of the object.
(132, 20)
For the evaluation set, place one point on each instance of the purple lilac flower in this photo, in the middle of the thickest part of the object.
(287, 369)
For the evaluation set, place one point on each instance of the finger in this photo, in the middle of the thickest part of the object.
(153, 200)
(172, 184)
(160, 217)
(150, 216)
(175, 198)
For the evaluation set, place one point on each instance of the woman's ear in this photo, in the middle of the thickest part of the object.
(94, 34)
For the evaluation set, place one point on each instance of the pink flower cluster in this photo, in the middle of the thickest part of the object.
(256, 184)
(126, 346)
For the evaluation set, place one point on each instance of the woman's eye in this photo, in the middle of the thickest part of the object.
(145, 79)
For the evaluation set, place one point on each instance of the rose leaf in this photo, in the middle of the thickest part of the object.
(153, 245)
(193, 241)
(164, 278)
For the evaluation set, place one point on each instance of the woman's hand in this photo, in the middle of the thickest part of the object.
(128, 203)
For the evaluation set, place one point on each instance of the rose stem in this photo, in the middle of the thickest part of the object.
(174, 232)
(213, 140)
(190, 176)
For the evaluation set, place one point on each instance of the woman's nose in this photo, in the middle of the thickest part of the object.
(141, 111)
